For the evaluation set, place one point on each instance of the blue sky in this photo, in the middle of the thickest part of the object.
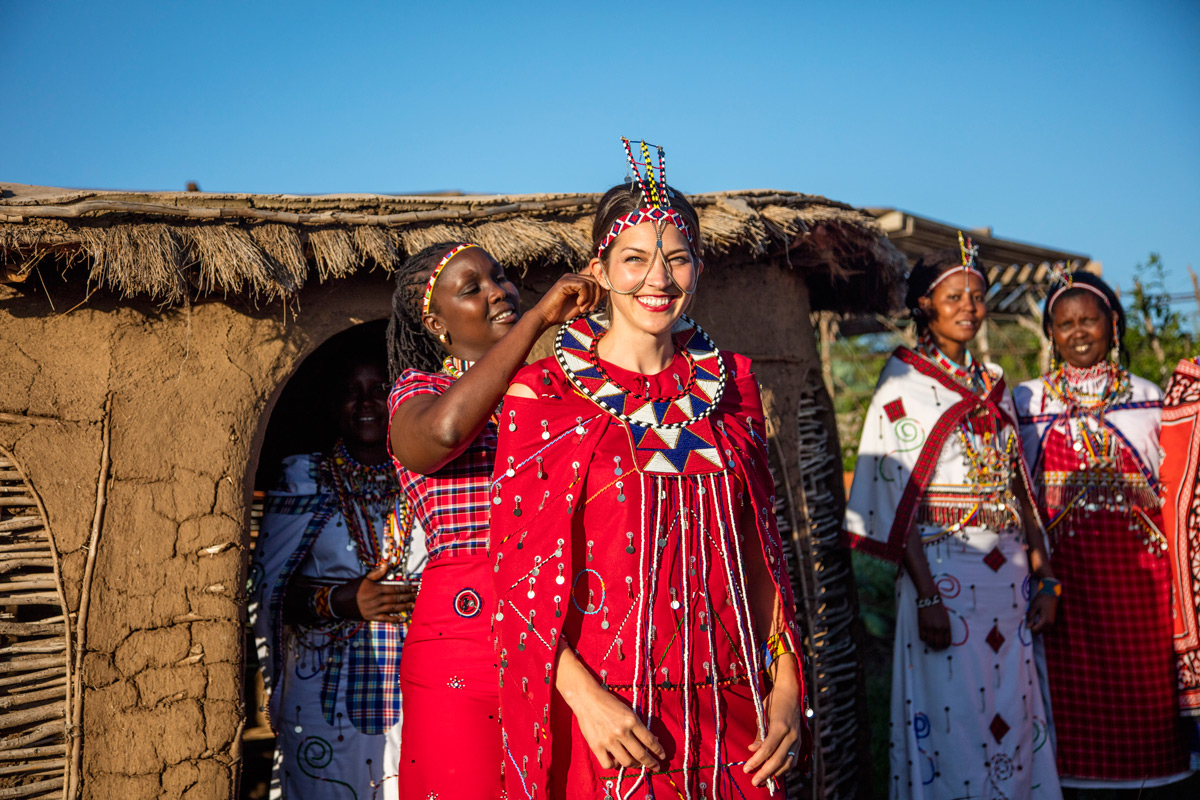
(1075, 125)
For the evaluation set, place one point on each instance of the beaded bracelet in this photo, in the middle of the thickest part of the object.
(1050, 586)
(929, 602)
(775, 646)
(321, 603)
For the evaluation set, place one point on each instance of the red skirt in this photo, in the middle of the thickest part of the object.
(1110, 655)
(450, 740)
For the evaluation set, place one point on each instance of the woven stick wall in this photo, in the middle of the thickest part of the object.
(825, 602)
(34, 669)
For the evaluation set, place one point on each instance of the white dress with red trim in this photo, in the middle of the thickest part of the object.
(970, 720)
(631, 516)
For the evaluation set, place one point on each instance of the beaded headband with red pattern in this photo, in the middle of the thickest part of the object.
(654, 192)
(433, 276)
(970, 262)
(1060, 273)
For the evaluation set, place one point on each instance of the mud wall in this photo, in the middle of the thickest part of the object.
(188, 392)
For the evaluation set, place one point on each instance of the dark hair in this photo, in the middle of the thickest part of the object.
(626, 197)
(410, 345)
(928, 268)
(1097, 283)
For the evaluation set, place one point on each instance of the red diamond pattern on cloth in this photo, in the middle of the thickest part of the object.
(894, 410)
(995, 639)
(995, 559)
(998, 728)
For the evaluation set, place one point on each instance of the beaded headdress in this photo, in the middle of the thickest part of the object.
(656, 196)
(970, 262)
(433, 276)
(1062, 275)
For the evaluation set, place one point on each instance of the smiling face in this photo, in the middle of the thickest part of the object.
(474, 303)
(648, 283)
(955, 309)
(1082, 329)
(361, 405)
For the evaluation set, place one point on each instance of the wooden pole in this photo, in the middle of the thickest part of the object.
(1195, 287)
(75, 732)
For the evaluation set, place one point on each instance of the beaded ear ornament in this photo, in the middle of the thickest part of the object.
(656, 196)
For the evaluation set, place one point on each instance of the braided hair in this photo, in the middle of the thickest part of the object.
(410, 345)
(1078, 279)
(927, 270)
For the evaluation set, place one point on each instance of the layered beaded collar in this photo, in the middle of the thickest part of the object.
(1097, 387)
(455, 367)
(575, 349)
(971, 376)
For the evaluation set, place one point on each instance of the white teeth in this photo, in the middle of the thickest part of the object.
(654, 302)
(503, 317)
(1082, 348)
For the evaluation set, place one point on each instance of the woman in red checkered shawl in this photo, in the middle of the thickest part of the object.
(1091, 433)
(456, 338)
(940, 488)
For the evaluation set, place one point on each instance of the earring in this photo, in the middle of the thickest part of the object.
(1115, 349)
(1053, 358)
(444, 338)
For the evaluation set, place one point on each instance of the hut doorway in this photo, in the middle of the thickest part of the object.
(302, 422)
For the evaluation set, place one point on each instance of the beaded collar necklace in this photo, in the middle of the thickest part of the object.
(695, 398)
(363, 493)
(971, 376)
(1072, 385)
(455, 367)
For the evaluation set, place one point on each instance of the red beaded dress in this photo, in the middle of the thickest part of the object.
(631, 516)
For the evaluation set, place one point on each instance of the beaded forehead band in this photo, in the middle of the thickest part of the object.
(970, 262)
(1062, 275)
(655, 194)
(433, 276)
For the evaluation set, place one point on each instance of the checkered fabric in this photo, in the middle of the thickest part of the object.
(1110, 656)
(451, 504)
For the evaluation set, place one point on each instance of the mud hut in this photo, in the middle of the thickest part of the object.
(146, 338)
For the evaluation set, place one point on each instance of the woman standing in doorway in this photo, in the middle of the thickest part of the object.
(940, 488)
(456, 338)
(327, 611)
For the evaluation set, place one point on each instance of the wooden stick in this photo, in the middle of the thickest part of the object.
(31, 676)
(29, 789)
(75, 731)
(6, 416)
(36, 735)
(34, 752)
(9, 701)
(28, 715)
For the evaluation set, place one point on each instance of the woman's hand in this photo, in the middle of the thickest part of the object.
(933, 626)
(615, 735)
(373, 599)
(1043, 609)
(787, 741)
(571, 295)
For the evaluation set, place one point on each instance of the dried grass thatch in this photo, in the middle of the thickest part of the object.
(170, 246)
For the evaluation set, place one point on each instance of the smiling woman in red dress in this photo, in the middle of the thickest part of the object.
(644, 613)
(1090, 430)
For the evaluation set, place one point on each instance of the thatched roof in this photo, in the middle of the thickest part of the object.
(171, 246)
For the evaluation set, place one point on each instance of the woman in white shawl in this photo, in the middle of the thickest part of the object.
(940, 488)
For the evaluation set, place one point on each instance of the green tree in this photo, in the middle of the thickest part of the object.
(1157, 336)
